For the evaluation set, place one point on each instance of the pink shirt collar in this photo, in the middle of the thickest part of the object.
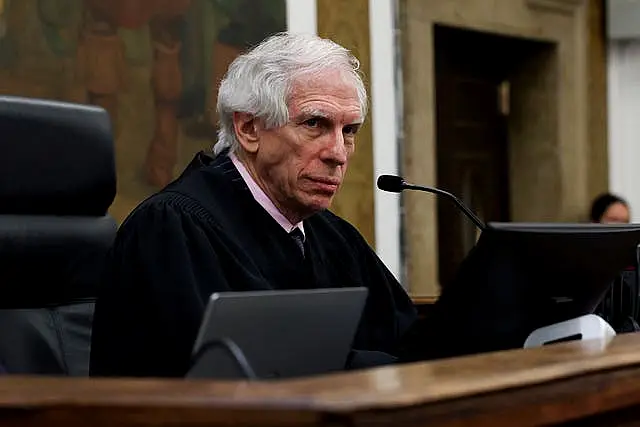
(261, 197)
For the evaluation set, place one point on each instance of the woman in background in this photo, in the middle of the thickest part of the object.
(610, 209)
(620, 305)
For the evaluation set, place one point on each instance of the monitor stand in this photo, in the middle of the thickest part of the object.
(580, 328)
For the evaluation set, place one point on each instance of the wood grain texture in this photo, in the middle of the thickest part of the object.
(590, 381)
(347, 22)
(423, 300)
(418, 150)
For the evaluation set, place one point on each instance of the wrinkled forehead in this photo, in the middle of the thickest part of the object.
(331, 95)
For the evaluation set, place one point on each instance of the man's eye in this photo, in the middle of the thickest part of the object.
(312, 123)
(350, 130)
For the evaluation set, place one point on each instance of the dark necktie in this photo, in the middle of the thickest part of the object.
(298, 237)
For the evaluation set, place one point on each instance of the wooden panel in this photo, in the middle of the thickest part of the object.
(598, 381)
(423, 300)
(597, 57)
(567, 169)
(471, 137)
(418, 150)
(347, 22)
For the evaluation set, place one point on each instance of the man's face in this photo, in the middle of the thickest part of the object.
(301, 165)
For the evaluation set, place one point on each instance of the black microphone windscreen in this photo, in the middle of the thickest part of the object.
(392, 183)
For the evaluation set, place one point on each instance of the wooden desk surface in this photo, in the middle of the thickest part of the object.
(422, 300)
(524, 387)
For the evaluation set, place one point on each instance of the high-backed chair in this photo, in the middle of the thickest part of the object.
(57, 181)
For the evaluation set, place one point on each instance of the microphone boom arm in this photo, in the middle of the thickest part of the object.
(473, 217)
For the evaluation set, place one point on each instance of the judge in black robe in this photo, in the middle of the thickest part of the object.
(206, 233)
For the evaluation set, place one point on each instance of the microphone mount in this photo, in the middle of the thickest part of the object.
(396, 184)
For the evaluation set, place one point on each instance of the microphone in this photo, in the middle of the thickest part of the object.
(395, 184)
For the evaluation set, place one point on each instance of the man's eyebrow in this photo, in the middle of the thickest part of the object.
(314, 112)
(321, 114)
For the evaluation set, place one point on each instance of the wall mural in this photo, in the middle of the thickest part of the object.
(154, 65)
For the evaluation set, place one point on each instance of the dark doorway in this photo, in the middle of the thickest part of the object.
(472, 98)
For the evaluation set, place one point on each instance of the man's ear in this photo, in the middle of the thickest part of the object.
(247, 131)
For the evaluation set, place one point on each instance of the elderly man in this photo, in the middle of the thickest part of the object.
(252, 216)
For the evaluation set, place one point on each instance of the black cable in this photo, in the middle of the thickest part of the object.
(232, 348)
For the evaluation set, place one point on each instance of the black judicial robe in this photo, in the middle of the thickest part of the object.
(205, 233)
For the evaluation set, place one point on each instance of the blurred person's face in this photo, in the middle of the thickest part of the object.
(617, 213)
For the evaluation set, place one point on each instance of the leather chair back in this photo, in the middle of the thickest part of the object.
(57, 181)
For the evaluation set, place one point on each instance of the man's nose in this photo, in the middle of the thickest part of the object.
(336, 151)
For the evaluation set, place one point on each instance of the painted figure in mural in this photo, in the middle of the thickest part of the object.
(102, 53)
(4, 6)
(6, 51)
(59, 21)
(192, 44)
(243, 30)
(101, 58)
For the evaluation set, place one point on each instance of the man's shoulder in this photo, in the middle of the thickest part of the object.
(170, 199)
(198, 192)
(203, 178)
(204, 196)
(163, 208)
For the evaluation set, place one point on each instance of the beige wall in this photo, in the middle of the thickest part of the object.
(597, 72)
(347, 22)
(558, 142)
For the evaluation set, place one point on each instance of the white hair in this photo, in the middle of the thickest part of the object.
(259, 82)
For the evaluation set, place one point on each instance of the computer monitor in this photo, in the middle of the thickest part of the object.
(520, 277)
